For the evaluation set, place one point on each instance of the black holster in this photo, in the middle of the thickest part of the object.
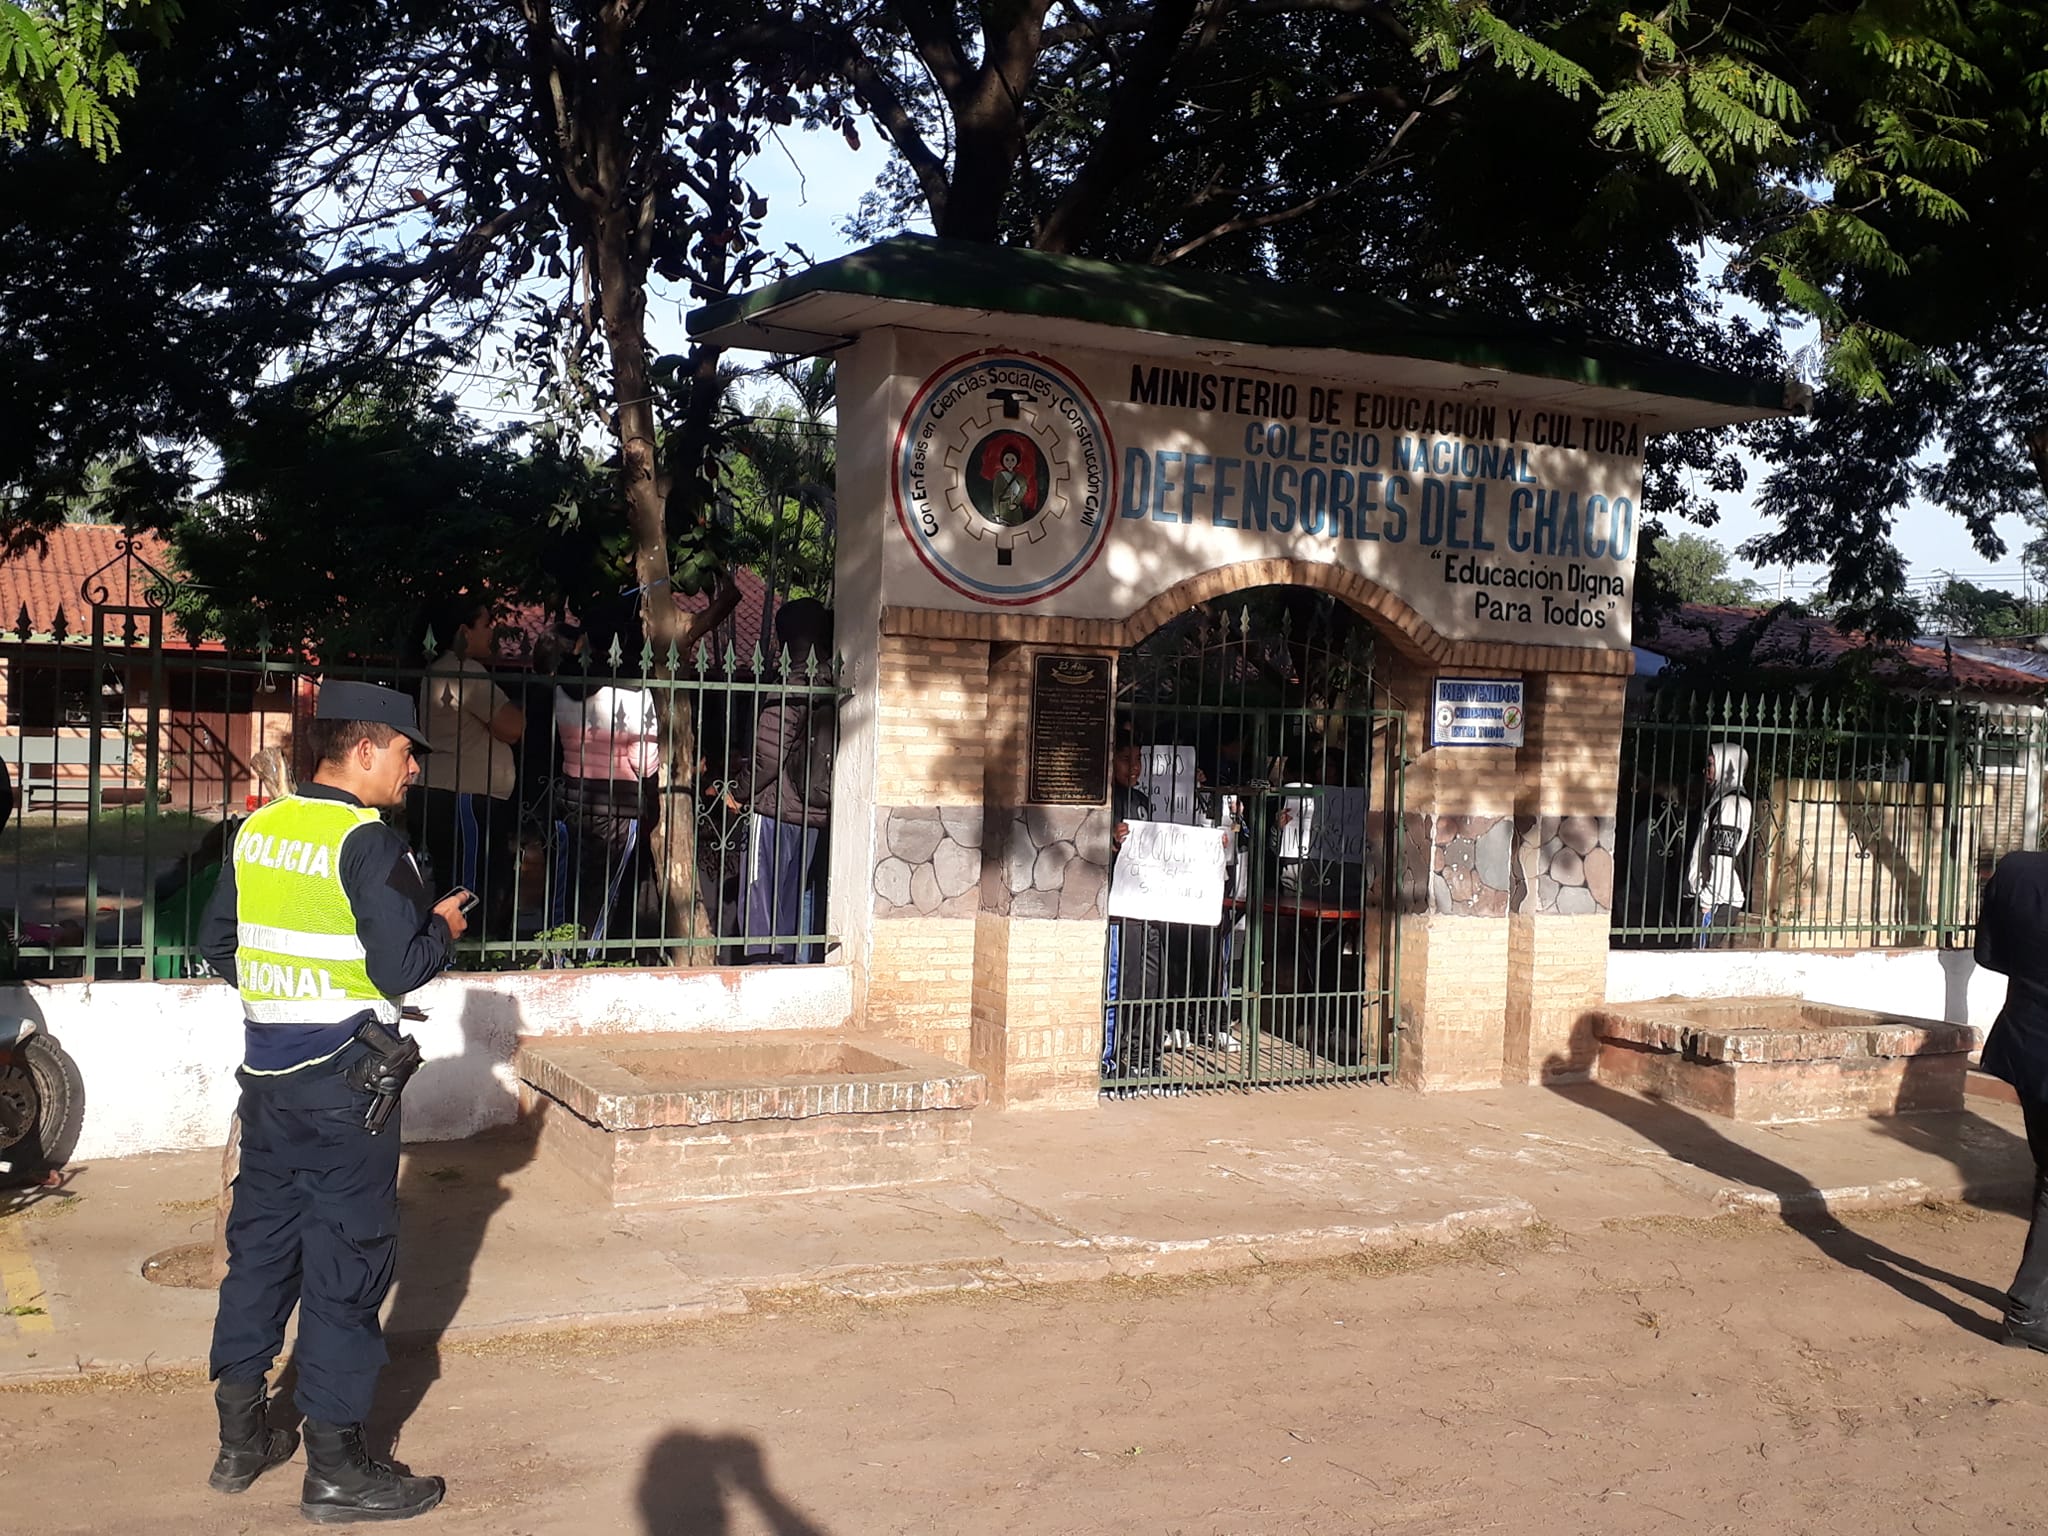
(384, 1069)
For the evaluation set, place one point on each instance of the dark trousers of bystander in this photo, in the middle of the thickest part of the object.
(468, 840)
(782, 891)
(2026, 1303)
(1134, 1028)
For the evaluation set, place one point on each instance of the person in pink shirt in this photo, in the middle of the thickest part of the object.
(610, 734)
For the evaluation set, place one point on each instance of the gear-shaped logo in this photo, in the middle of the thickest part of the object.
(1005, 477)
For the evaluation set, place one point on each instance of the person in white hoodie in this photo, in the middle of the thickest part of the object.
(1715, 873)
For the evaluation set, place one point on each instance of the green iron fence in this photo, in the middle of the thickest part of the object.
(1266, 723)
(630, 818)
(1790, 820)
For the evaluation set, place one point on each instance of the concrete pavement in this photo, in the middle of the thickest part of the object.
(498, 1242)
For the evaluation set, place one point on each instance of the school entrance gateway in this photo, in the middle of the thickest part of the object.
(1324, 600)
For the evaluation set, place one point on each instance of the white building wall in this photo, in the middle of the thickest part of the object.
(1942, 984)
(158, 1058)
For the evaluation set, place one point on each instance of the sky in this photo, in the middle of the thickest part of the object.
(810, 203)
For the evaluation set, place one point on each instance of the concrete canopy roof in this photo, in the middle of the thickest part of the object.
(915, 282)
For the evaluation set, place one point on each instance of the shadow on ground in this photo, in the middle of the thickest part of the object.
(691, 1484)
(448, 1197)
(1802, 1208)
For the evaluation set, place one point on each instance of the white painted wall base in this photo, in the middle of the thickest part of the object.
(1943, 984)
(158, 1058)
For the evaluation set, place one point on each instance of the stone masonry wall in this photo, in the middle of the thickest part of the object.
(928, 861)
(1046, 861)
(1565, 865)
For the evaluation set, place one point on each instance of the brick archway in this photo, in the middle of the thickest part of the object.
(1387, 612)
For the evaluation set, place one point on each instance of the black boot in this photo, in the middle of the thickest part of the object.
(344, 1483)
(249, 1447)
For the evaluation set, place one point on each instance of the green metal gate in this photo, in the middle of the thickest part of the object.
(1265, 721)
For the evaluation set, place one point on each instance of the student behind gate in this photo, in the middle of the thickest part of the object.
(1133, 1036)
(322, 923)
(611, 756)
(787, 784)
(463, 815)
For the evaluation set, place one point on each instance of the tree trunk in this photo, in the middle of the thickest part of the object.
(621, 295)
(988, 125)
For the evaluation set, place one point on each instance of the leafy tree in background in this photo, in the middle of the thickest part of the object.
(142, 299)
(1963, 608)
(1947, 291)
(60, 65)
(337, 529)
(777, 488)
(416, 180)
(1692, 568)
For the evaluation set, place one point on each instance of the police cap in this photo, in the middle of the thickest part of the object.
(366, 701)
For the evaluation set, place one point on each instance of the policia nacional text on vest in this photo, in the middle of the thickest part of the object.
(298, 959)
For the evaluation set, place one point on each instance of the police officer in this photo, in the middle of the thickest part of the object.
(322, 923)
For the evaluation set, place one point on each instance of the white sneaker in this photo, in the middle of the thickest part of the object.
(1176, 1040)
(1226, 1041)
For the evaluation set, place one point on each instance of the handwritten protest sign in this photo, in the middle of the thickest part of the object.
(1168, 778)
(1170, 874)
(1329, 825)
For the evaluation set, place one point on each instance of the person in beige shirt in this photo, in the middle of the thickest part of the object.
(464, 816)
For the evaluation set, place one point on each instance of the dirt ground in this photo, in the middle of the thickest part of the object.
(1740, 1376)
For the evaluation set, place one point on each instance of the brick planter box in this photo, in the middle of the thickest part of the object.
(1768, 1059)
(660, 1118)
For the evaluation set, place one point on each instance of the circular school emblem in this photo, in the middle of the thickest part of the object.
(1005, 477)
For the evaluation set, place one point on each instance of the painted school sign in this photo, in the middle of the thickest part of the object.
(1078, 483)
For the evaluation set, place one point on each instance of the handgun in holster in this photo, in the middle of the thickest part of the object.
(383, 1071)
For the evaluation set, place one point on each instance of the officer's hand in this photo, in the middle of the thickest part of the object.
(449, 910)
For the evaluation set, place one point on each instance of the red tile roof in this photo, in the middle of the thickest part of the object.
(55, 578)
(43, 583)
(1790, 641)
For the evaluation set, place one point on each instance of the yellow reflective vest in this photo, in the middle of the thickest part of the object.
(298, 959)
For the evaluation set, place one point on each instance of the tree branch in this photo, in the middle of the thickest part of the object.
(1127, 129)
(1283, 215)
(939, 45)
(478, 238)
(1376, 11)
(878, 94)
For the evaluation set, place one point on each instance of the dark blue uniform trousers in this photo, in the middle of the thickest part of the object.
(314, 1224)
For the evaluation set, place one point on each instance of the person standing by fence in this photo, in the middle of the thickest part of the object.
(611, 753)
(463, 815)
(2011, 928)
(322, 923)
(788, 788)
(1133, 1035)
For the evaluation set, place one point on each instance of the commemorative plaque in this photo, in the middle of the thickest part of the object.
(1070, 707)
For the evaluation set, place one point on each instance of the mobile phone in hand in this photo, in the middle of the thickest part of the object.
(468, 902)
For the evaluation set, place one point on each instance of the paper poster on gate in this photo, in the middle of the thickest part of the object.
(1168, 780)
(1170, 874)
(1323, 823)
